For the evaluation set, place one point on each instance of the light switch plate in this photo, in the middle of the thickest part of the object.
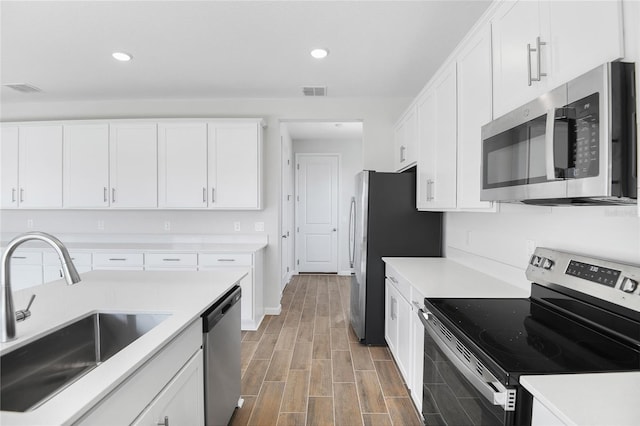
(259, 226)
(236, 226)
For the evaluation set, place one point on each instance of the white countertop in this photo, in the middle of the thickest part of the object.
(442, 277)
(602, 399)
(184, 295)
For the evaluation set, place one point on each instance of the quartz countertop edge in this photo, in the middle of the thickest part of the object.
(183, 294)
(442, 277)
(593, 399)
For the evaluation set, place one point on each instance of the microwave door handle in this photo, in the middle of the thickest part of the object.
(550, 164)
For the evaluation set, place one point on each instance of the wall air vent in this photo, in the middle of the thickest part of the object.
(23, 87)
(314, 91)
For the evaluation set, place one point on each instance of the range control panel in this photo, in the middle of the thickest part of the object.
(602, 278)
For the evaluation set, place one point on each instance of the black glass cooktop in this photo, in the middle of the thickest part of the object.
(522, 336)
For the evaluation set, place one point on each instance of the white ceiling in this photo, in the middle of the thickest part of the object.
(226, 49)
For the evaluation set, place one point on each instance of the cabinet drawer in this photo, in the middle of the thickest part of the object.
(117, 259)
(26, 258)
(170, 260)
(225, 259)
(78, 258)
(403, 286)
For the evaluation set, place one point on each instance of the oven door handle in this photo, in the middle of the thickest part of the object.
(492, 389)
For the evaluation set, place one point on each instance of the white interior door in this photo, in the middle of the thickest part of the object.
(317, 213)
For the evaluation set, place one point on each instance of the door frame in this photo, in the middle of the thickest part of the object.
(296, 234)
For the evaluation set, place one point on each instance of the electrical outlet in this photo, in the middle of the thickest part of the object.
(101, 225)
(30, 223)
(236, 226)
(167, 225)
(259, 226)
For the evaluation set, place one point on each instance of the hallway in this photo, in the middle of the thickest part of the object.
(306, 366)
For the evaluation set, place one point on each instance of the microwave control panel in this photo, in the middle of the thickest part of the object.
(586, 144)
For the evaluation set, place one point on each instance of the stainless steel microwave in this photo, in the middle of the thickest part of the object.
(574, 145)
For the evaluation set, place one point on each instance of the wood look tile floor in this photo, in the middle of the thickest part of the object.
(306, 367)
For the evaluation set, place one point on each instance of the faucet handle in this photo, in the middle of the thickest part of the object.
(25, 313)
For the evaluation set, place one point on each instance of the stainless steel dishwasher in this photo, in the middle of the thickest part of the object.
(221, 339)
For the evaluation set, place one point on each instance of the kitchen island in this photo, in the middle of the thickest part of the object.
(183, 295)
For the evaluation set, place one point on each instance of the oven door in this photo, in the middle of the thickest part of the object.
(526, 153)
(458, 389)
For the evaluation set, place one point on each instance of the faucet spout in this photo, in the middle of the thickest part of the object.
(7, 313)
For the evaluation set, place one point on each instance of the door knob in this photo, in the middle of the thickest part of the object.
(334, 229)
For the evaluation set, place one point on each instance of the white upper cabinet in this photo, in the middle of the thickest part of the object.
(9, 167)
(538, 46)
(405, 140)
(474, 111)
(40, 166)
(86, 165)
(437, 145)
(133, 165)
(182, 165)
(234, 165)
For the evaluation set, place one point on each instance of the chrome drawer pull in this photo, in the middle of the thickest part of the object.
(226, 260)
(118, 258)
(171, 260)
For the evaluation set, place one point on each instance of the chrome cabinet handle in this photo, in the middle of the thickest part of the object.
(104, 194)
(226, 260)
(171, 260)
(213, 198)
(403, 149)
(21, 194)
(13, 195)
(165, 422)
(121, 259)
(536, 49)
(393, 279)
(430, 183)
(204, 195)
(113, 195)
(18, 257)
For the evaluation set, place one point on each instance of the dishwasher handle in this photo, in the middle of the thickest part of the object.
(217, 311)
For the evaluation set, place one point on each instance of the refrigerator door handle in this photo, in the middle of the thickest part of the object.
(352, 231)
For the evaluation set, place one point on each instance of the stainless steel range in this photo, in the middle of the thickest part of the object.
(583, 316)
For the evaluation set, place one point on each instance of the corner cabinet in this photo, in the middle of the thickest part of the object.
(539, 45)
(31, 161)
(437, 145)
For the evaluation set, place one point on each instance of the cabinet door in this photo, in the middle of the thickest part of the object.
(574, 50)
(40, 166)
(9, 167)
(474, 110)
(403, 357)
(405, 140)
(417, 350)
(515, 25)
(234, 166)
(86, 165)
(391, 297)
(182, 165)
(181, 402)
(437, 144)
(133, 151)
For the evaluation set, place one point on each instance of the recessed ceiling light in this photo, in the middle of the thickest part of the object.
(319, 53)
(121, 56)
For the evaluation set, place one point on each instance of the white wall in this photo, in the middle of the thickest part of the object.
(500, 243)
(378, 116)
(350, 163)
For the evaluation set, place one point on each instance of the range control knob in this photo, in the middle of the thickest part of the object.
(629, 285)
(547, 263)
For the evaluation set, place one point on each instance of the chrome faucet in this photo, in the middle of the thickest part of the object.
(6, 307)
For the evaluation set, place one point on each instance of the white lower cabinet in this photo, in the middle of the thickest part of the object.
(397, 324)
(170, 261)
(181, 402)
(26, 269)
(118, 261)
(251, 304)
(166, 385)
(404, 331)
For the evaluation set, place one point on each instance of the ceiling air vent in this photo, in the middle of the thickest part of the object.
(314, 91)
(23, 87)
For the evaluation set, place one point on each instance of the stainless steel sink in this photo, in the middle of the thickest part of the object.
(35, 372)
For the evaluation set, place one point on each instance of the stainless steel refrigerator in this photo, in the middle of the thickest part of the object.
(384, 222)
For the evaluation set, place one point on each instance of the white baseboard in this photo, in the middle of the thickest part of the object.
(347, 273)
(273, 311)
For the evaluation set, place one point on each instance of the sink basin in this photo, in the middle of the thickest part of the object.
(35, 372)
